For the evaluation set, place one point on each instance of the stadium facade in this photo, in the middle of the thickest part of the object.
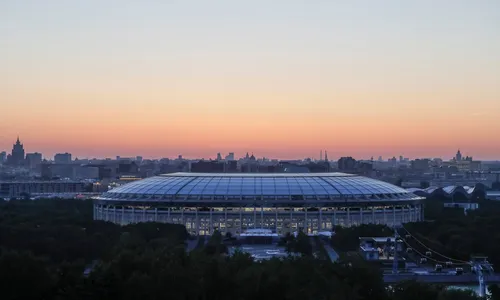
(282, 202)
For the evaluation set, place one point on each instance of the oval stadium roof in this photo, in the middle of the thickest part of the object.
(236, 185)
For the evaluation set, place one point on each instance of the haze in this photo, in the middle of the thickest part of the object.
(277, 78)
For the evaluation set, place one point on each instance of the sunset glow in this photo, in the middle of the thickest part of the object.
(106, 78)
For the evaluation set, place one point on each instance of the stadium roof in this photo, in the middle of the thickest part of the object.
(322, 185)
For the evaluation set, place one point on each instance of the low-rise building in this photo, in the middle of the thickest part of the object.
(16, 189)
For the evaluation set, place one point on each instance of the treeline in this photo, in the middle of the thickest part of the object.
(52, 249)
(457, 235)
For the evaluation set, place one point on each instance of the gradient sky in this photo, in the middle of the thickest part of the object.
(277, 78)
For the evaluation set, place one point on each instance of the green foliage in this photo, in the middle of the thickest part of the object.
(494, 291)
(459, 235)
(299, 244)
(149, 261)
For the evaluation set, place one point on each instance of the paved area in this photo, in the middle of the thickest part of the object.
(334, 256)
(260, 252)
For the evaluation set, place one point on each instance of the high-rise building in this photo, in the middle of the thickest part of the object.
(62, 158)
(219, 156)
(458, 156)
(3, 157)
(17, 156)
(230, 156)
(346, 164)
(33, 160)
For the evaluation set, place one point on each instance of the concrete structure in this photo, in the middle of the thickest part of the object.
(62, 158)
(14, 189)
(282, 202)
(493, 195)
(33, 160)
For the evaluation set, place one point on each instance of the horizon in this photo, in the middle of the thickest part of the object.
(239, 155)
(280, 79)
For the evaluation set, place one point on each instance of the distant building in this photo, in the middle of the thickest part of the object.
(62, 158)
(46, 170)
(458, 156)
(230, 156)
(3, 157)
(27, 188)
(33, 160)
(207, 167)
(219, 156)
(17, 156)
(420, 164)
(346, 164)
(138, 159)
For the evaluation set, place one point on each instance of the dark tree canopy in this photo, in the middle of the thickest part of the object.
(52, 249)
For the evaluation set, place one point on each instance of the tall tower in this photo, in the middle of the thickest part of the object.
(458, 157)
(17, 156)
(320, 154)
(326, 156)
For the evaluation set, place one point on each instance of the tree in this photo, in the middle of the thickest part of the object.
(24, 276)
(494, 290)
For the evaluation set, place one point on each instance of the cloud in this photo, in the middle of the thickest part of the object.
(479, 114)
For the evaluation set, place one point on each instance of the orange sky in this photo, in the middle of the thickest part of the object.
(283, 82)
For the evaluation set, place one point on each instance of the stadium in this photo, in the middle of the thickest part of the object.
(281, 202)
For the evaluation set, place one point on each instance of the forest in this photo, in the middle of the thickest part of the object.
(52, 249)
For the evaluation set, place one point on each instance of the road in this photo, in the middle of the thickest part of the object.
(331, 253)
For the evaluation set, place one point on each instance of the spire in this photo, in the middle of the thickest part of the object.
(326, 156)
(17, 141)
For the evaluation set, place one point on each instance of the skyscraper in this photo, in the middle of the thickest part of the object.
(458, 156)
(17, 156)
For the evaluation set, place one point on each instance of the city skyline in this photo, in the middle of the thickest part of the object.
(100, 79)
(322, 155)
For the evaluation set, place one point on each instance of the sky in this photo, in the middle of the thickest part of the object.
(279, 78)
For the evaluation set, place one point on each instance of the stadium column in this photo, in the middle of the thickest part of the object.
(261, 217)
(156, 214)
(320, 221)
(254, 217)
(306, 222)
(241, 220)
(348, 217)
(123, 216)
(210, 226)
(361, 215)
(225, 219)
(276, 220)
(168, 216)
(144, 215)
(291, 220)
(394, 215)
(373, 215)
(133, 215)
(114, 214)
(384, 216)
(182, 216)
(334, 217)
(197, 222)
